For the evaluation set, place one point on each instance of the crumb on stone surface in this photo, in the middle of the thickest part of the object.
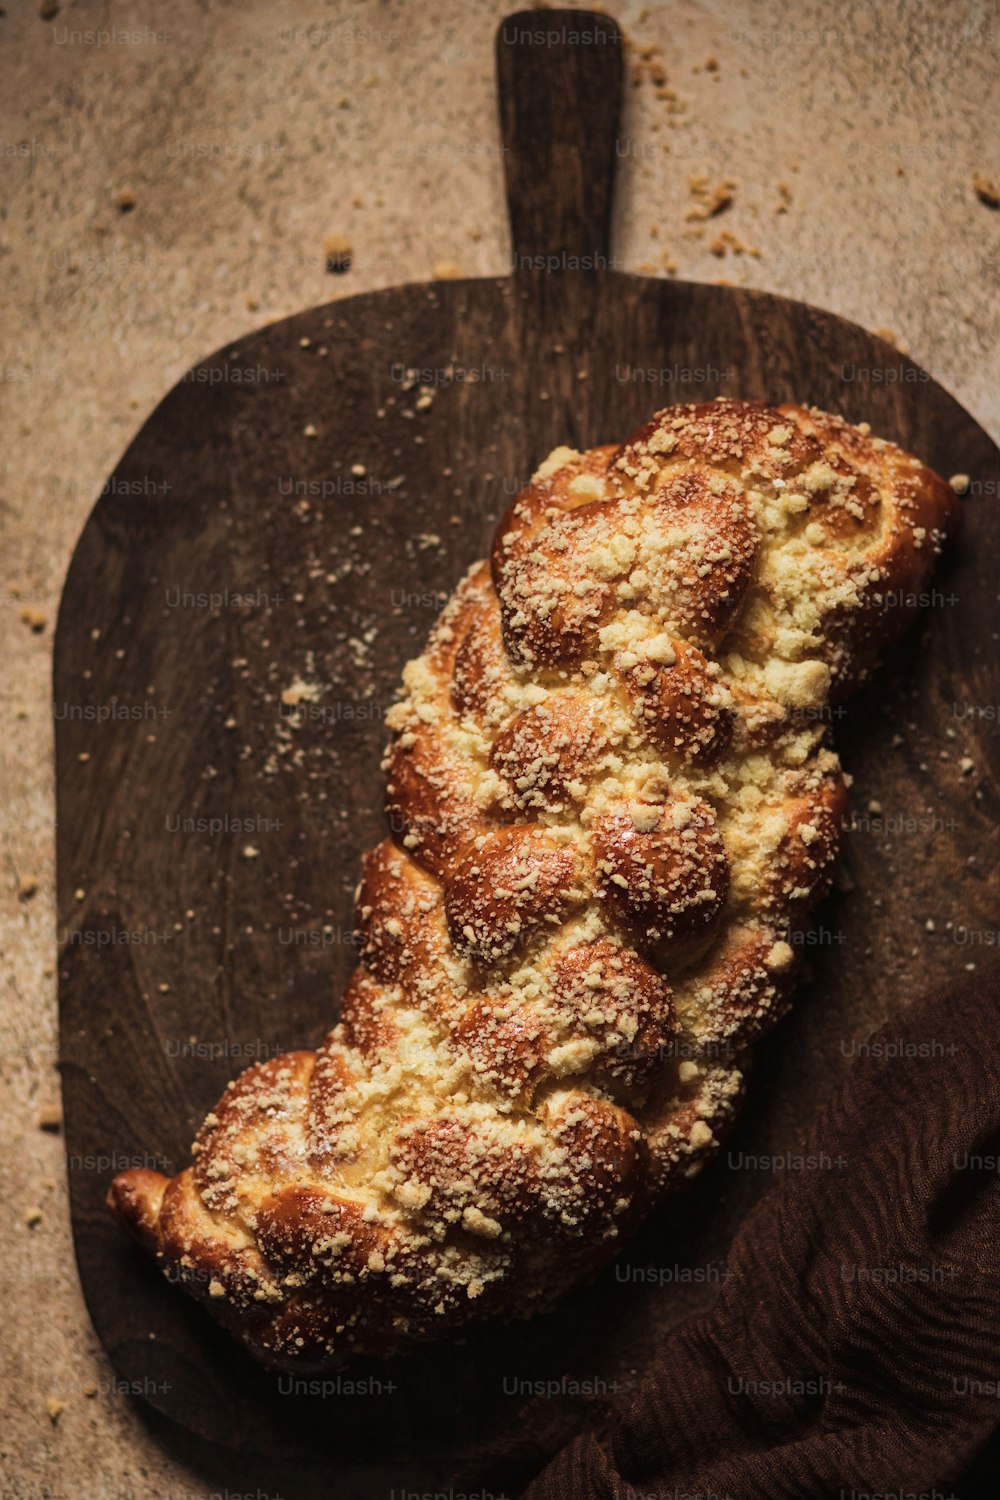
(338, 254)
(729, 241)
(986, 190)
(709, 199)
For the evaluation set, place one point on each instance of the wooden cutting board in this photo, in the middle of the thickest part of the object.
(292, 513)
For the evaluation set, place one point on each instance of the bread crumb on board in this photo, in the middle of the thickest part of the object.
(888, 336)
(300, 691)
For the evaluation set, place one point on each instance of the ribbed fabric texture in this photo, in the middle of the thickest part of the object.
(856, 1344)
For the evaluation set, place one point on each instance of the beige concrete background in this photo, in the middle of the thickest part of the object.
(246, 132)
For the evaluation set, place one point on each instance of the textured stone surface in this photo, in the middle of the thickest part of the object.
(247, 134)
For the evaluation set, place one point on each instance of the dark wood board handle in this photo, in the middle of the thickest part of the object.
(559, 81)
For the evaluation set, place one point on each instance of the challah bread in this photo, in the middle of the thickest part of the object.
(612, 802)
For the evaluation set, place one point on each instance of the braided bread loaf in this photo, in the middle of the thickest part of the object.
(612, 803)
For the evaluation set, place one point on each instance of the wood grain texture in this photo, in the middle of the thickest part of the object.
(238, 937)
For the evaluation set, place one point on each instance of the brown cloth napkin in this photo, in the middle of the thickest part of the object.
(854, 1350)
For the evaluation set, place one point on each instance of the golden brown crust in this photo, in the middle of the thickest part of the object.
(612, 803)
